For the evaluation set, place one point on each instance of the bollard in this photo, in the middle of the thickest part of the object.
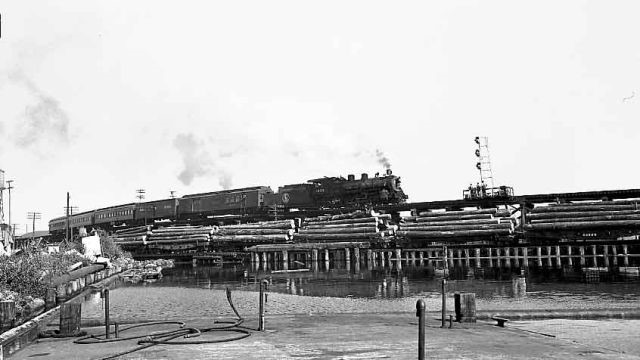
(420, 307)
(444, 302)
(263, 288)
(450, 321)
(117, 329)
(106, 313)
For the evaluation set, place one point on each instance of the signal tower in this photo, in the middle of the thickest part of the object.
(484, 161)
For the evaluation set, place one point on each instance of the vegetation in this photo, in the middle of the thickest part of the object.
(30, 272)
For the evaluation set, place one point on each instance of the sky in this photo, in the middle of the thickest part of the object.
(101, 98)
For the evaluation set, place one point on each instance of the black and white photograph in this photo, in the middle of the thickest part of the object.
(303, 179)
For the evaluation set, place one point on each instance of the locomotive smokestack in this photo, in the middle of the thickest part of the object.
(365, 176)
(351, 177)
(389, 172)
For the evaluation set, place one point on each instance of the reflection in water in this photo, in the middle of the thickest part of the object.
(389, 282)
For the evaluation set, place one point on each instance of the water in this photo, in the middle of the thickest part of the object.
(486, 283)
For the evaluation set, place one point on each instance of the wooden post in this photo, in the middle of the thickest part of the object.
(614, 251)
(399, 258)
(465, 306)
(539, 256)
(606, 255)
(558, 259)
(525, 257)
(549, 263)
(451, 264)
(459, 253)
(347, 255)
(490, 257)
(594, 251)
(467, 261)
(70, 317)
(569, 257)
(507, 257)
(285, 260)
(326, 259)
(314, 255)
(625, 254)
(421, 253)
(7, 315)
(498, 258)
(477, 254)
(356, 258)
(582, 260)
(264, 261)
(516, 259)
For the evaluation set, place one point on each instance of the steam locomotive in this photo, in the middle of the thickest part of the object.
(258, 202)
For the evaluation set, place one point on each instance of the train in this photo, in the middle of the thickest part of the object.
(258, 202)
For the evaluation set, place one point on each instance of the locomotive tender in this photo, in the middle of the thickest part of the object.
(322, 193)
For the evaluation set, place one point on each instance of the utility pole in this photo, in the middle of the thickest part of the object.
(9, 187)
(69, 211)
(32, 215)
(140, 195)
(66, 237)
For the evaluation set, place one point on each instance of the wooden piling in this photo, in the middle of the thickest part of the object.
(525, 257)
(558, 259)
(539, 256)
(507, 257)
(285, 260)
(606, 255)
(594, 251)
(70, 317)
(516, 258)
(467, 261)
(7, 315)
(490, 257)
(614, 253)
(582, 259)
(549, 263)
(569, 257)
(450, 258)
(477, 257)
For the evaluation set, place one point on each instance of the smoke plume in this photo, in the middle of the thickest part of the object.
(382, 159)
(43, 120)
(197, 161)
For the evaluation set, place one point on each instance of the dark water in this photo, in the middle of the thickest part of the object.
(385, 282)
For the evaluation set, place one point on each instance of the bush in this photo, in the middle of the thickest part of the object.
(30, 272)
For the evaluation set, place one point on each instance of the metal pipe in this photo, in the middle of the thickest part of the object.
(263, 288)
(444, 302)
(106, 313)
(420, 313)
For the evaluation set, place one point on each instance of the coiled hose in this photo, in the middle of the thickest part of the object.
(167, 337)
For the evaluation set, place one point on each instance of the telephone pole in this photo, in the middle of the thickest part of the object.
(9, 187)
(32, 215)
(66, 237)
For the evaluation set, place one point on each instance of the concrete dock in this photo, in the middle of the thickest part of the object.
(341, 336)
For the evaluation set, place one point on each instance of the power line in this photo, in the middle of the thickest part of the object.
(32, 215)
(140, 194)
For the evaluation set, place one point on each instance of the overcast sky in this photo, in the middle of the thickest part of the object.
(100, 98)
